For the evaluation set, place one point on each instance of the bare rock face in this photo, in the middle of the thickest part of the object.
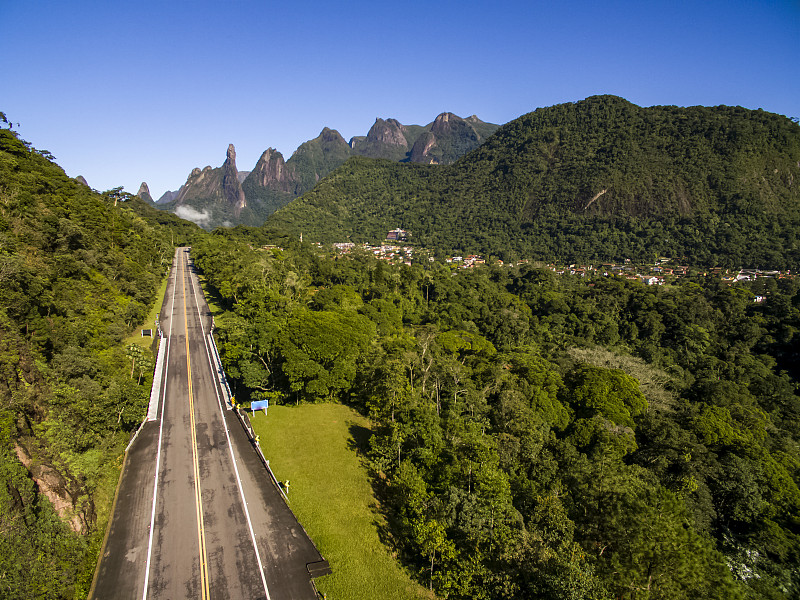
(447, 123)
(77, 513)
(215, 185)
(226, 192)
(231, 188)
(144, 192)
(390, 131)
(420, 153)
(80, 179)
(200, 183)
(357, 141)
(271, 172)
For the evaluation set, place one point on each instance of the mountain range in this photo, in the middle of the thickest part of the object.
(225, 196)
(598, 179)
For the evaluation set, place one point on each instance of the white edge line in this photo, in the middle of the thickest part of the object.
(230, 447)
(160, 432)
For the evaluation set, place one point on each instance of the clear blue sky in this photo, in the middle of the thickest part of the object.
(132, 91)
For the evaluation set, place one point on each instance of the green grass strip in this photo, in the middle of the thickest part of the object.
(313, 446)
(150, 322)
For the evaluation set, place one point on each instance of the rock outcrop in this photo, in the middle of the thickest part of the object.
(231, 188)
(72, 506)
(225, 196)
(389, 132)
(272, 173)
(144, 193)
(220, 185)
(449, 138)
(169, 196)
(421, 152)
(386, 139)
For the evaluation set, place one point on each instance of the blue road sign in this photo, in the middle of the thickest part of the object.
(259, 405)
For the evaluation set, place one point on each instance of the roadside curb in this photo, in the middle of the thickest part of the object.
(158, 377)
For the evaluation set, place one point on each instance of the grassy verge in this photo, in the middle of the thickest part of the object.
(103, 497)
(136, 336)
(313, 446)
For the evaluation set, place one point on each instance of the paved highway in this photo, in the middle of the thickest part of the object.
(196, 514)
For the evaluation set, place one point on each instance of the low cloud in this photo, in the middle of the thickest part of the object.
(200, 217)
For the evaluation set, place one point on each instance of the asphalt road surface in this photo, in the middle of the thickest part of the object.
(197, 514)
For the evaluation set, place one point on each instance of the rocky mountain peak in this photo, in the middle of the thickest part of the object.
(449, 138)
(169, 196)
(144, 192)
(231, 187)
(447, 122)
(82, 180)
(271, 172)
(444, 118)
(274, 181)
(220, 184)
(390, 131)
(331, 135)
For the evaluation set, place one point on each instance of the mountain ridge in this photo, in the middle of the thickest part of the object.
(274, 181)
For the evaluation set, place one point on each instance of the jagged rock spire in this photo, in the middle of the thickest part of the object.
(231, 188)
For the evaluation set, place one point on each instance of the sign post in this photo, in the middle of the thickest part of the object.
(259, 405)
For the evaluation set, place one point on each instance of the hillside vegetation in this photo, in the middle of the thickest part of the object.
(600, 179)
(78, 272)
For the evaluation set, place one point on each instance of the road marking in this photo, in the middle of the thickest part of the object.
(230, 448)
(158, 454)
(201, 534)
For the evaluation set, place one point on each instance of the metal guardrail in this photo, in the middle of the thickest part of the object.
(226, 390)
(248, 427)
(243, 418)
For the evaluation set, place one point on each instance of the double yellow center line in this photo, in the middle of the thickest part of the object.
(201, 534)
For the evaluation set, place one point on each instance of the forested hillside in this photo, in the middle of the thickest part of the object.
(537, 436)
(600, 179)
(79, 271)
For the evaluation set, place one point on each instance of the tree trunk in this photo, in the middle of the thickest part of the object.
(430, 583)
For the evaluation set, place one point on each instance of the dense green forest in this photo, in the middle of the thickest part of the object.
(596, 180)
(79, 270)
(535, 435)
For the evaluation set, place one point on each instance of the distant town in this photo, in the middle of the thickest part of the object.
(663, 270)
